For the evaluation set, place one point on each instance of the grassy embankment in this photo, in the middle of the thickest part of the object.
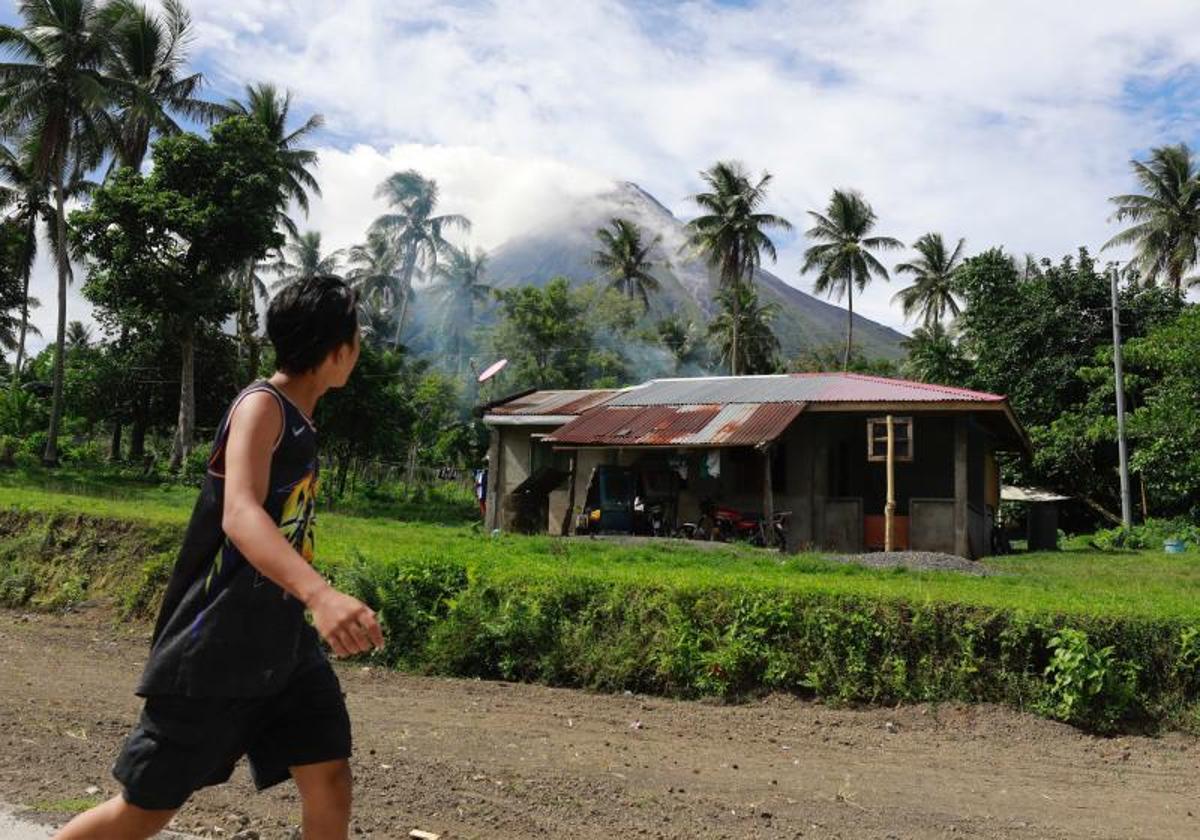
(674, 619)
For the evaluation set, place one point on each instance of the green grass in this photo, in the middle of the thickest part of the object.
(674, 617)
(1145, 584)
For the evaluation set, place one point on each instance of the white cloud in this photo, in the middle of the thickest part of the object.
(1004, 122)
(502, 195)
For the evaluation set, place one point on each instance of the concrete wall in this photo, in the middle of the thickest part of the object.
(509, 461)
(931, 525)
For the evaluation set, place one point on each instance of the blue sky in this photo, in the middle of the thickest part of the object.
(1006, 123)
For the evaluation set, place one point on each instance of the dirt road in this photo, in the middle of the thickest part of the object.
(493, 760)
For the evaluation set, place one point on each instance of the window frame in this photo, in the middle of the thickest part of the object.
(873, 422)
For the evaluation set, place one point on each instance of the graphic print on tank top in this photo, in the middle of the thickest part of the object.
(297, 520)
(300, 514)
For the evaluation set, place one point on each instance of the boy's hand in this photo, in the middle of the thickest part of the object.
(346, 623)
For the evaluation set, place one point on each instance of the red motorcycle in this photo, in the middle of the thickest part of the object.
(726, 524)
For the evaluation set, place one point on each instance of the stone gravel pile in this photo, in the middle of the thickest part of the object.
(917, 561)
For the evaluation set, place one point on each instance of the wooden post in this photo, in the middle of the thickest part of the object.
(768, 499)
(889, 510)
(962, 539)
(568, 525)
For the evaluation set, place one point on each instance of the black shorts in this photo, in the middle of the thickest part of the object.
(182, 744)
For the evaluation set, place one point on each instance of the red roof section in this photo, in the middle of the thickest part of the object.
(794, 388)
(553, 403)
(861, 387)
(742, 424)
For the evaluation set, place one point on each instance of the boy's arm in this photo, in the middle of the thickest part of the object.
(347, 624)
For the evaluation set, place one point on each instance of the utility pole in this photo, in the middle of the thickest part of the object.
(1126, 503)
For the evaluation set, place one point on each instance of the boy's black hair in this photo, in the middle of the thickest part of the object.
(310, 319)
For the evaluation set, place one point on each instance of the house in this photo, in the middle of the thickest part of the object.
(812, 444)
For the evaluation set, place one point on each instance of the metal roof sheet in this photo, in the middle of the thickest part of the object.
(740, 424)
(1012, 493)
(793, 388)
(554, 402)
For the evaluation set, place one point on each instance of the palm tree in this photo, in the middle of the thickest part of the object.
(625, 259)
(933, 356)
(376, 319)
(731, 233)
(302, 258)
(375, 266)
(683, 338)
(56, 95)
(146, 67)
(272, 109)
(267, 106)
(934, 270)
(843, 255)
(79, 336)
(1166, 215)
(462, 289)
(28, 198)
(250, 288)
(750, 335)
(415, 230)
(13, 330)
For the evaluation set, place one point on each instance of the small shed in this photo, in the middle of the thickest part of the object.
(1041, 521)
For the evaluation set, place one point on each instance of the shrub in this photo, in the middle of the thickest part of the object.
(1090, 686)
(195, 466)
(1150, 534)
(33, 444)
(88, 453)
(409, 598)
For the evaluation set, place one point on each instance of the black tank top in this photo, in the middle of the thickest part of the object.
(225, 630)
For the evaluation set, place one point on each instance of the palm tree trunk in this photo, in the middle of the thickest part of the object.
(50, 456)
(255, 351)
(16, 377)
(114, 445)
(137, 439)
(187, 399)
(410, 267)
(849, 323)
(737, 316)
(1175, 276)
(247, 324)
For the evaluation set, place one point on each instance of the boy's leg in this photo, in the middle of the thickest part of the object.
(115, 819)
(325, 794)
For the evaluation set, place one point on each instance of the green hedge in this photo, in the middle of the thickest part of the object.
(55, 561)
(643, 619)
(730, 642)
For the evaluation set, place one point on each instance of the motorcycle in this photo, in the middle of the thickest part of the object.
(726, 524)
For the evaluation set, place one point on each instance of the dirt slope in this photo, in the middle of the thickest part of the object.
(493, 760)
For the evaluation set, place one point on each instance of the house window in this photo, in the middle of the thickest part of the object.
(877, 438)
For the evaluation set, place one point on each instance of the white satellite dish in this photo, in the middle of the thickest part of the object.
(493, 370)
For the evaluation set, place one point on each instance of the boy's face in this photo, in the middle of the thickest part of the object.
(339, 364)
(349, 358)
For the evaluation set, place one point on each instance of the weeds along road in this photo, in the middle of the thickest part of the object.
(468, 759)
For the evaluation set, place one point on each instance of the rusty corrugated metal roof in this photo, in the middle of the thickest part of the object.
(554, 403)
(792, 388)
(740, 424)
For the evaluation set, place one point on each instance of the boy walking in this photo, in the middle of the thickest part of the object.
(234, 667)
